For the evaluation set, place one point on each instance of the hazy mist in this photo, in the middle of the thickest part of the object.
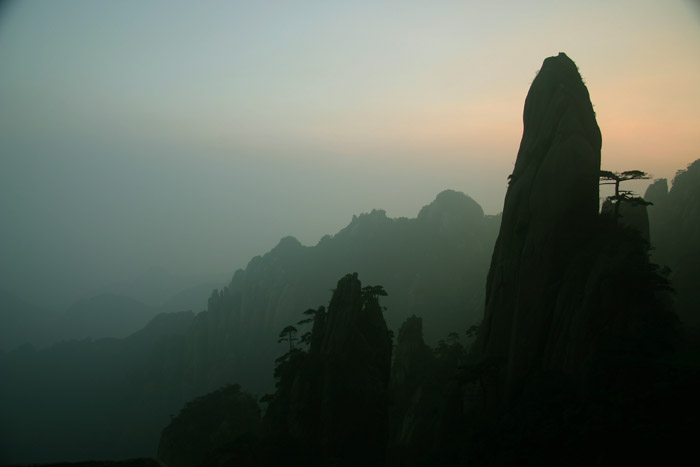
(186, 138)
(397, 233)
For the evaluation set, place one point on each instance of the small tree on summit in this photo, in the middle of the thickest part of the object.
(615, 178)
(288, 334)
(372, 293)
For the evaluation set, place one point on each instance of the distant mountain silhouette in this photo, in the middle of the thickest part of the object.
(433, 266)
(192, 298)
(22, 322)
(104, 315)
(156, 287)
(92, 399)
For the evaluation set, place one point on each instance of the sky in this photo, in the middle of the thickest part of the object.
(187, 137)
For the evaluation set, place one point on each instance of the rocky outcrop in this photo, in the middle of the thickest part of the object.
(575, 354)
(411, 356)
(356, 360)
(416, 401)
(219, 427)
(549, 211)
(567, 288)
(330, 407)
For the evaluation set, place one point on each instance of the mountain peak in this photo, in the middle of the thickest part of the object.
(287, 243)
(451, 203)
(550, 207)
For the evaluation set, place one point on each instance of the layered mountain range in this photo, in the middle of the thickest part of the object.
(580, 359)
(433, 265)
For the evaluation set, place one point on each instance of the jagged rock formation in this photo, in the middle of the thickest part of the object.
(210, 427)
(330, 407)
(565, 283)
(550, 207)
(675, 226)
(411, 355)
(417, 398)
(435, 266)
(575, 359)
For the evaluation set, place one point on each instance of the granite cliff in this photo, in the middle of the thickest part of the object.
(576, 315)
(565, 282)
(330, 407)
(549, 212)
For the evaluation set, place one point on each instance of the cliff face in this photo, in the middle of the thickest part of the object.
(568, 288)
(331, 403)
(568, 366)
(416, 401)
(550, 208)
(675, 236)
(356, 359)
(411, 356)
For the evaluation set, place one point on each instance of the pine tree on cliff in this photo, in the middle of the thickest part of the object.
(615, 178)
(288, 334)
(371, 294)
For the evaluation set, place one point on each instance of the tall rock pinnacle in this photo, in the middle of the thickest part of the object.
(550, 206)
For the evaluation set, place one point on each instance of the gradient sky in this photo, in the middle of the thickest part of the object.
(190, 136)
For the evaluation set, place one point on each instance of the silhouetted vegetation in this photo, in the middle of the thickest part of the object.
(615, 178)
(288, 334)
